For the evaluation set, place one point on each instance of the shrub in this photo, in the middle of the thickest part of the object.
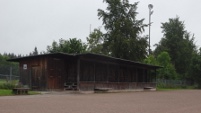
(7, 86)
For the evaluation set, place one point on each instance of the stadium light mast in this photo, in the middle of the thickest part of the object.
(150, 6)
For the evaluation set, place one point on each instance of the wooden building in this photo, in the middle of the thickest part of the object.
(84, 71)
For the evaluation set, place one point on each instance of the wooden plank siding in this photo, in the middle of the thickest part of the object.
(97, 74)
(87, 71)
(35, 75)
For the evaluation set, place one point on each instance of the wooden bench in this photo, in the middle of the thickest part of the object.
(20, 91)
(97, 90)
(70, 86)
(148, 88)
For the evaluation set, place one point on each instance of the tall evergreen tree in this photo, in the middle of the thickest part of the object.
(122, 38)
(35, 52)
(195, 68)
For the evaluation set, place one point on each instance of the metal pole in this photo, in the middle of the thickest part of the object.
(149, 29)
(150, 6)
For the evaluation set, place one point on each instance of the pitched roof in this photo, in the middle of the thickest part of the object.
(88, 55)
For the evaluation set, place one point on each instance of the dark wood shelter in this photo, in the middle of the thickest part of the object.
(88, 71)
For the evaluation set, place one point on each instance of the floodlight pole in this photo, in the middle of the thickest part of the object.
(150, 6)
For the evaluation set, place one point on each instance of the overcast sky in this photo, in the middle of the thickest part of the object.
(25, 24)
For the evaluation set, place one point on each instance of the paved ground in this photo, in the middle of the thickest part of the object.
(183, 101)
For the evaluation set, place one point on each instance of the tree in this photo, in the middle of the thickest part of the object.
(5, 65)
(177, 42)
(122, 38)
(35, 52)
(151, 60)
(67, 46)
(195, 70)
(163, 59)
(95, 42)
(168, 71)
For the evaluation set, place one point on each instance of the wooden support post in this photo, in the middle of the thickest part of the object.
(94, 72)
(107, 73)
(78, 74)
(155, 76)
(136, 75)
(30, 77)
(118, 73)
(143, 79)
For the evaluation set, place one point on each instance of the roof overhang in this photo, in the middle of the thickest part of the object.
(88, 55)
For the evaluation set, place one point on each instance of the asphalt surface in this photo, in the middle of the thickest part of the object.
(180, 101)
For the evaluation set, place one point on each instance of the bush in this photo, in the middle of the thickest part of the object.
(7, 86)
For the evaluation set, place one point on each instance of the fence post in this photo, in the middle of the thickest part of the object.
(10, 73)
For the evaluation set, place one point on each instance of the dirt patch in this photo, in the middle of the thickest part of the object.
(181, 101)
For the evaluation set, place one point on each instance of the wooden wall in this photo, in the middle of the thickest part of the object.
(34, 76)
(51, 73)
(48, 72)
(113, 75)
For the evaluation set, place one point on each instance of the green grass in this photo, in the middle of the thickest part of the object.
(5, 92)
(175, 88)
(6, 88)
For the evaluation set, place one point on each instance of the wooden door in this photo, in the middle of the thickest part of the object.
(54, 80)
(35, 77)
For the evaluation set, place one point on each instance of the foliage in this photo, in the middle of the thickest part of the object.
(35, 52)
(5, 66)
(122, 38)
(163, 59)
(168, 71)
(195, 69)
(178, 44)
(151, 60)
(95, 42)
(8, 85)
(67, 46)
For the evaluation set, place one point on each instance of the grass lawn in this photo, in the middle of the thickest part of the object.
(7, 92)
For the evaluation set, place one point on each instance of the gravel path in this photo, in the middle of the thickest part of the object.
(181, 101)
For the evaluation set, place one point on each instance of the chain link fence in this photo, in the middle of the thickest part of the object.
(7, 78)
(164, 83)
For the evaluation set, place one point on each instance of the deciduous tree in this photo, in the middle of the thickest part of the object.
(178, 43)
(95, 42)
(67, 46)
